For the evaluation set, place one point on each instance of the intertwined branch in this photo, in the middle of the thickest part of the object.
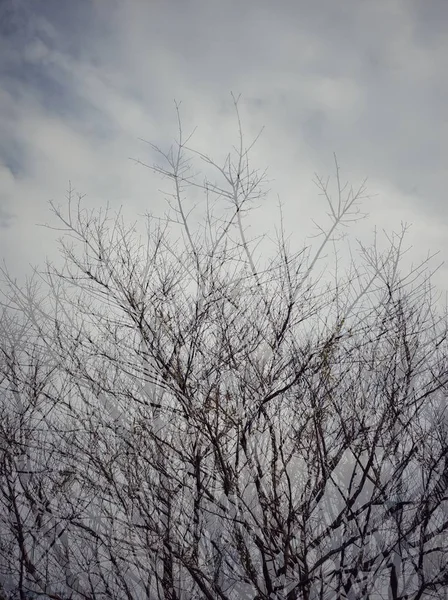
(182, 418)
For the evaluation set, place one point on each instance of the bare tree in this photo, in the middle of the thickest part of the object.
(186, 417)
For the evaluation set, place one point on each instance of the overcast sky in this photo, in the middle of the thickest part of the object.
(81, 81)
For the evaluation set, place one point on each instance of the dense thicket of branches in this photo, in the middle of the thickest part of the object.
(180, 419)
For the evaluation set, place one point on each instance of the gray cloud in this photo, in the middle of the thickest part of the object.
(5, 218)
(82, 81)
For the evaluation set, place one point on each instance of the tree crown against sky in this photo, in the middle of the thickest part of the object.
(184, 416)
